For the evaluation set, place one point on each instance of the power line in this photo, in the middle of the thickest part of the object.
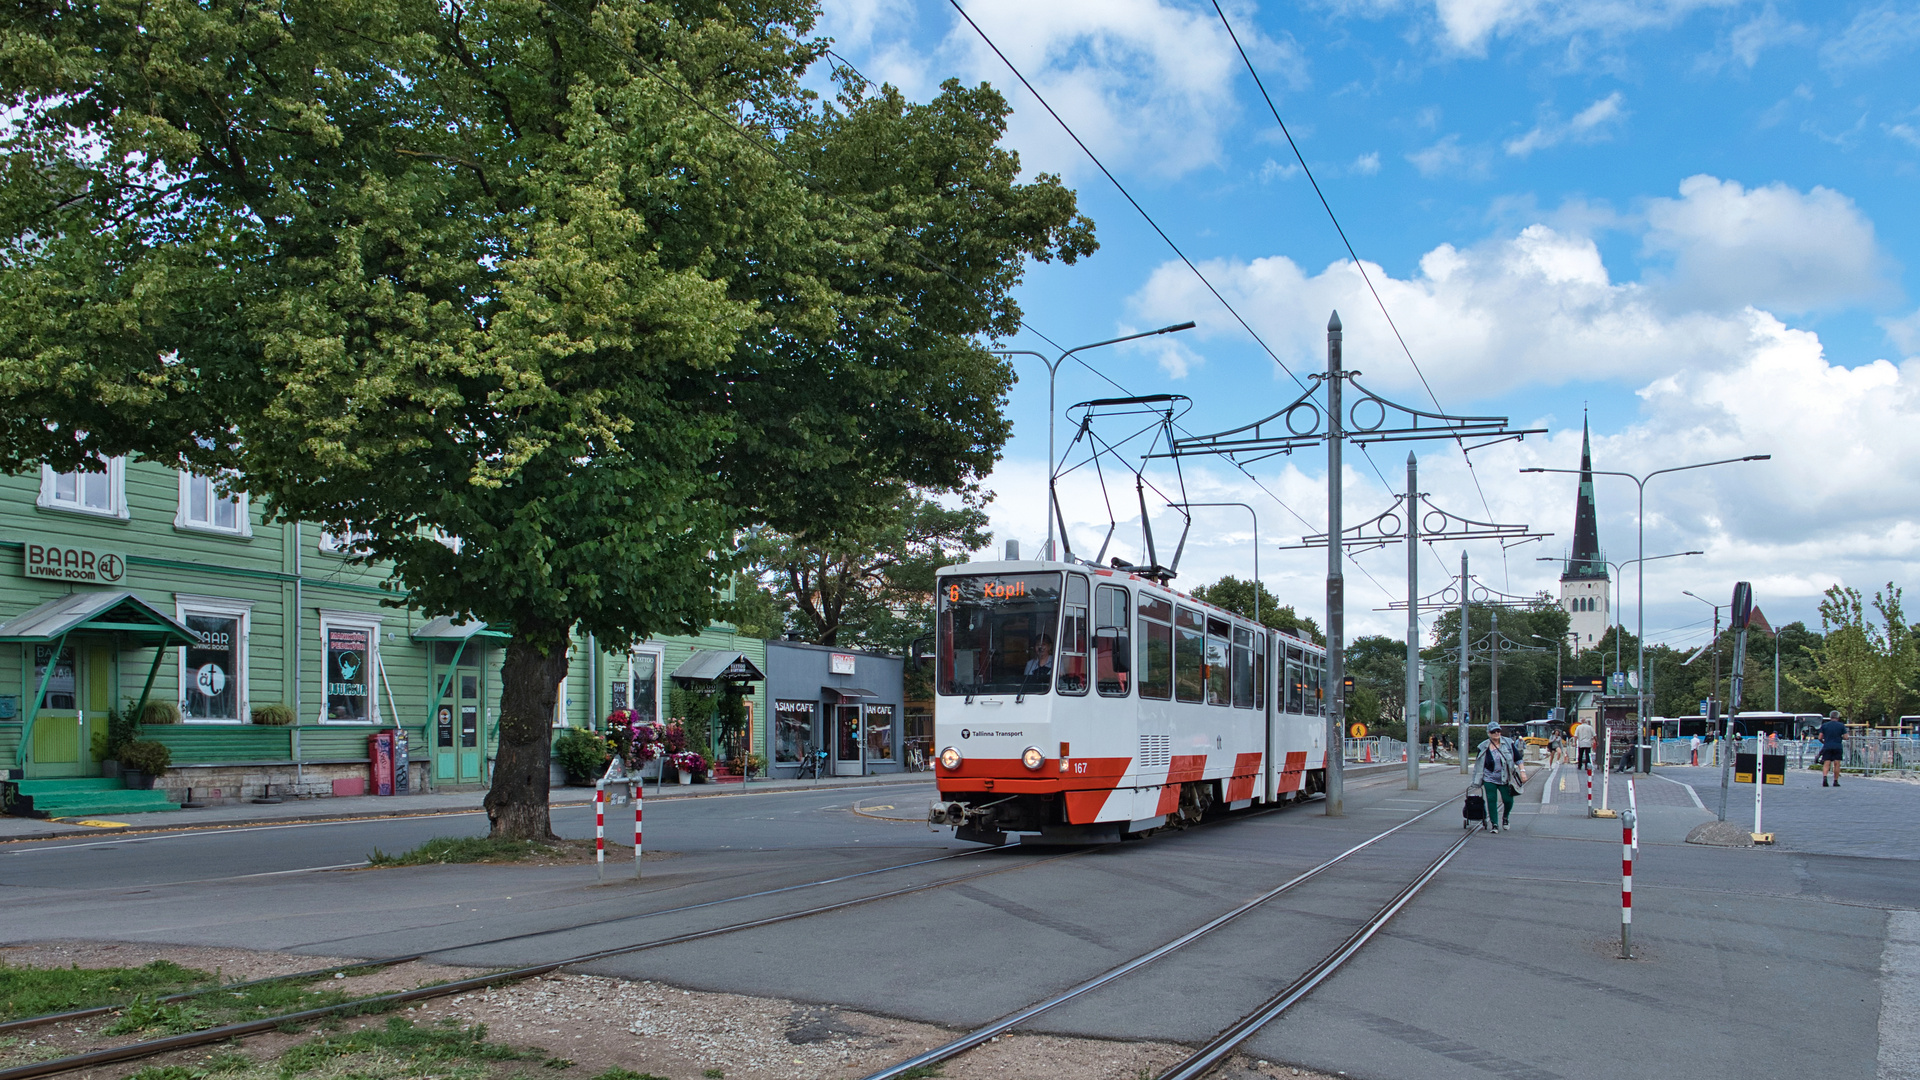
(1122, 188)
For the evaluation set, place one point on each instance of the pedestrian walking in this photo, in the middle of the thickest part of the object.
(1694, 746)
(1496, 771)
(1553, 748)
(1583, 742)
(1833, 747)
(1433, 747)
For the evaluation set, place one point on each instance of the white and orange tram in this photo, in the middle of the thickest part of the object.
(1085, 705)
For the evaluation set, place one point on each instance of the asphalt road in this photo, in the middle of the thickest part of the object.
(1750, 962)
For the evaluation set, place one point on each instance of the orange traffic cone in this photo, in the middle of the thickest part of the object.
(1368, 760)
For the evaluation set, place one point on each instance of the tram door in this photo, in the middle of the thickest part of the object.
(846, 740)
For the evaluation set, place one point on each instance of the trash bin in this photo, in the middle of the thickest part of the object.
(1645, 760)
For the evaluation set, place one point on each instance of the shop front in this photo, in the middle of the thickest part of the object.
(846, 703)
(73, 650)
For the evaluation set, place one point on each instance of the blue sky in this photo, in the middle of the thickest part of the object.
(1694, 219)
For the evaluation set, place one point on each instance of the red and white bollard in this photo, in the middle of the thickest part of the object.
(639, 796)
(600, 828)
(1589, 785)
(1626, 885)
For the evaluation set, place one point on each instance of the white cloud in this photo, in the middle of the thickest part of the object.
(1273, 170)
(1748, 40)
(1591, 124)
(1468, 25)
(1366, 164)
(1772, 247)
(1905, 132)
(1146, 83)
(1447, 157)
(1875, 35)
(1904, 332)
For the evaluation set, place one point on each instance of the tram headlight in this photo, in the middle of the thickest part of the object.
(950, 758)
(1033, 758)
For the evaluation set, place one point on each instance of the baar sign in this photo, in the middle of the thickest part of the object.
(62, 563)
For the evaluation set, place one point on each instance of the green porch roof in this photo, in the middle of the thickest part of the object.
(121, 614)
(444, 628)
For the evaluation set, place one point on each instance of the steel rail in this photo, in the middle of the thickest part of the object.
(150, 1047)
(1011, 1020)
(1203, 1060)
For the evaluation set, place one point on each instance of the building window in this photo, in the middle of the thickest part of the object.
(644, 679)
(350, 649)
(100, 493)
(792, 730)
(879, 733)
(203, 508)
(343, 540)
(213, 670)
(62, 687)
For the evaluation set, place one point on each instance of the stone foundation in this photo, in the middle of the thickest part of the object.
(232, 784)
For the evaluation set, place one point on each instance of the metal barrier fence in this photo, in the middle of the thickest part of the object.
(1375, 748)
(1872, 754)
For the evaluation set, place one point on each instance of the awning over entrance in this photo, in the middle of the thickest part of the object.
(846, 693)
(443, 628)
(717, 665)
(121, 614)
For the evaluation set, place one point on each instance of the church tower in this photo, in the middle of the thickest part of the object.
(1584, 583)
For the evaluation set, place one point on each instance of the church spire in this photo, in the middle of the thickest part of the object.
(1585, 561)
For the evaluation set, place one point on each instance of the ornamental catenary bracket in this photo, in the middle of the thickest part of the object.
(1321, 415)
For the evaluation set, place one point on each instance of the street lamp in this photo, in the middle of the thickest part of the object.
(1256, 543)
(1640, 523)
(1053, 370)
(1619, 569)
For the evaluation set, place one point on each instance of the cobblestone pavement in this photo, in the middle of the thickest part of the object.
(1864, 817)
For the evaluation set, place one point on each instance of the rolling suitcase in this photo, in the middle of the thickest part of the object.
(1475, 809)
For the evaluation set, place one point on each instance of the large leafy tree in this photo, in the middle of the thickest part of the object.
(547, 298)
(869, 581)
(1864, 668)
(1237, 595)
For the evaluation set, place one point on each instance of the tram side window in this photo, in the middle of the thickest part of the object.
(1110, 648)
(1242, 668)
(1259, 671)
(1219, 662)
(1073, 638)
(1189, 654)
(1156, 648)
(1296, 678)
(1316, 685)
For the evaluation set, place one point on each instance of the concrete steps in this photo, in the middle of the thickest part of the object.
(78, 797)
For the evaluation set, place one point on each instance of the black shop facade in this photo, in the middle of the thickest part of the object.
(846, 702)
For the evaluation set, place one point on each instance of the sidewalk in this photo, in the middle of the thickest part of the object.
(376, 806)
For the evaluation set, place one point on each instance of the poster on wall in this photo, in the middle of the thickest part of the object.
(213, 686)
(349, 655)
(792, 729)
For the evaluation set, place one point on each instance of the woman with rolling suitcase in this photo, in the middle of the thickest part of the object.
(1497, 773)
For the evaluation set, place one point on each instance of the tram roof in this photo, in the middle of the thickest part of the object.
(1035, 566)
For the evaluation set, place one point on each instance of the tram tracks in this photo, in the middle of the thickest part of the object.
(149, 1048)
(1223, 1044)
(376, 1003)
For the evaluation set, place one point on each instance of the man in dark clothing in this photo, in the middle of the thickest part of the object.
(1833, 747)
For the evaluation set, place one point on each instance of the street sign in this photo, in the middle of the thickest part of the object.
(1703, 706)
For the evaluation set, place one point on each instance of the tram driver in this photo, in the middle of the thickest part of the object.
(1041, 664)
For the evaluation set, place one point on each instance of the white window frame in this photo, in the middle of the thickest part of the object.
(116, 493)
(659, 654)
(332, 543)
(242, 516)
(352, 620)
(185, 604)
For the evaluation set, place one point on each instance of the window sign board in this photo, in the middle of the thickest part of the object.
(349, 654)
(60, 562)
(841, 664)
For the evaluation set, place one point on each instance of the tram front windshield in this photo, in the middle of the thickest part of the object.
(998, 633)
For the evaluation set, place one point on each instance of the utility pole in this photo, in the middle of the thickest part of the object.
(1726, 734)
(1412, 698)
(1493, 653)
(1465, 611)
(1336, 584)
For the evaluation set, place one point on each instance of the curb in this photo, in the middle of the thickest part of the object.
(321, 817)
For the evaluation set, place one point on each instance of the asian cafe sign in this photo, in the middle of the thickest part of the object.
(61, 562)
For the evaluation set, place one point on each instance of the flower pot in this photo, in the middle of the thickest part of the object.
(136, 780)
(685, 776)
(110, 769)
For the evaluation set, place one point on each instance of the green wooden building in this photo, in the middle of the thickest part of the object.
(145, 583)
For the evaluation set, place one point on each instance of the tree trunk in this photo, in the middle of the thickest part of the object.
(529, 686)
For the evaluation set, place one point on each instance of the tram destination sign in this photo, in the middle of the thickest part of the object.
(62, 562)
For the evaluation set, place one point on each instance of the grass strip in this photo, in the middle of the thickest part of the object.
(466, 849)
(31, 991)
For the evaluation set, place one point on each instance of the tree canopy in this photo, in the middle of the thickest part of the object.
(1238, 596)
(547, 300)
